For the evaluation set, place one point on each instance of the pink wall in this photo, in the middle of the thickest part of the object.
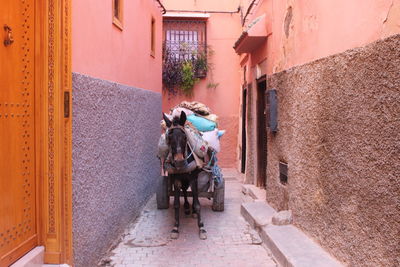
(103, 51)
(222, 31)
(322, 28)
(202, 5)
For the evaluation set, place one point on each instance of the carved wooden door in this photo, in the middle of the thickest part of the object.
(18, 233)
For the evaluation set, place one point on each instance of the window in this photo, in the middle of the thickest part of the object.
(153, 37)
(185, 40)
(117, 13)
(283, 172)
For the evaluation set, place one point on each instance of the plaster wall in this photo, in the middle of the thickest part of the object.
(222, 31)
(115, 136)
(203, 5)
(100, 49)
(319, 29)
(339, 133)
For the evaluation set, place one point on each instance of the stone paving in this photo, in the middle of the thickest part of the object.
(230, 242)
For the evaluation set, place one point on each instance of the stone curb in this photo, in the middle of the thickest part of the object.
(289, 246)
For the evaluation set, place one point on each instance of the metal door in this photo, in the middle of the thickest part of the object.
(18, 233)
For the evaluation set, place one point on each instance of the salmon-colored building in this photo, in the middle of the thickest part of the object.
(116, 65)
(219, 89)
(320, 93)
(308, 92)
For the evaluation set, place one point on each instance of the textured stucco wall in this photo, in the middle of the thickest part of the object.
(115, 135)
(339, 131)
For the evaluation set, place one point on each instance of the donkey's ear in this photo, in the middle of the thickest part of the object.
(168, 122)
(182, 119)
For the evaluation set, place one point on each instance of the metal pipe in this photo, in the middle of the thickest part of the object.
(248, 11)
(211, 11)
(162, 6)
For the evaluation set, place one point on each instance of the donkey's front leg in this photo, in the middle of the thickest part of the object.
(186, 206)
(177, 192)
(197, 208)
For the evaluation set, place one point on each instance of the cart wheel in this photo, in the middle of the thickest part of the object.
(219, 197)
(162, 194)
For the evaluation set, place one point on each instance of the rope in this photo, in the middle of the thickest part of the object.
(216, 172)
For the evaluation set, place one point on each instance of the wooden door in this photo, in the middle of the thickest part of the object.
(18, 233)
(261, 134)
(244, 124)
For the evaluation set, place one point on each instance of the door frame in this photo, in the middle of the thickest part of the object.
(53, 129)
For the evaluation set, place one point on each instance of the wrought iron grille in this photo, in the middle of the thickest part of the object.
(185, 39)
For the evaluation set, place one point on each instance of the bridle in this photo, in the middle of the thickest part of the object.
(187, 143)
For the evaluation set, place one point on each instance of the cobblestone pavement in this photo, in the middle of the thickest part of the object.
(231, 241)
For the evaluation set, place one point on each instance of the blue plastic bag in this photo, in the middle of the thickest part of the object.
(201, 124)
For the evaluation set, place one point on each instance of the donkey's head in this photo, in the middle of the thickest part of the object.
(176, 139)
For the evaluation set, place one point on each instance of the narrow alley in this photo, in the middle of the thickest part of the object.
(108, 108)
(231, 241)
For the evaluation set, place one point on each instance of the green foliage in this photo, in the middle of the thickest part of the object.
(212, 85)
(180, 74)
(188, 77)
(201, 65)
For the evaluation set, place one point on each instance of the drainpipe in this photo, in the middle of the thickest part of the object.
(162, 7)
(248, 11)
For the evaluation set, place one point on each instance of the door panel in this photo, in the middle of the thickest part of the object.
(244, 126)
(261, 135)
(17, 127)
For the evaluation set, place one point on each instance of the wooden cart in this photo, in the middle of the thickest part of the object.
(165, 191)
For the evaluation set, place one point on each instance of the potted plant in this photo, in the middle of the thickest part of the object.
(200, 65)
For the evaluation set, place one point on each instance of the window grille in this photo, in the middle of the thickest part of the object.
(185, 40)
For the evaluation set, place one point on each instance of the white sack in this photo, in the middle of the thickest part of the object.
(177, 112)
(163, 149)
(197, 143)
(212, 139)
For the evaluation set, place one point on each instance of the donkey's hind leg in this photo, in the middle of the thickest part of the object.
(197, 209)
(177, 192)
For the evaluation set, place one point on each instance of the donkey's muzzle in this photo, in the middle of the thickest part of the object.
(180, 164)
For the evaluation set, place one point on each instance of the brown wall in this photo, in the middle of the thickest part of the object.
(339, 131)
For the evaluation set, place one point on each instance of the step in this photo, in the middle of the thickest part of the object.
(255, 192)
(35, 258)
(257, 214)
(292, 248)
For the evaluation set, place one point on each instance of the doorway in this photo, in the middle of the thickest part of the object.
(244, 112)
(35, 130)
(18, 209)
(261, 133)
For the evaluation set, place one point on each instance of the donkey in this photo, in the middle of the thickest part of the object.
(181, 155)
